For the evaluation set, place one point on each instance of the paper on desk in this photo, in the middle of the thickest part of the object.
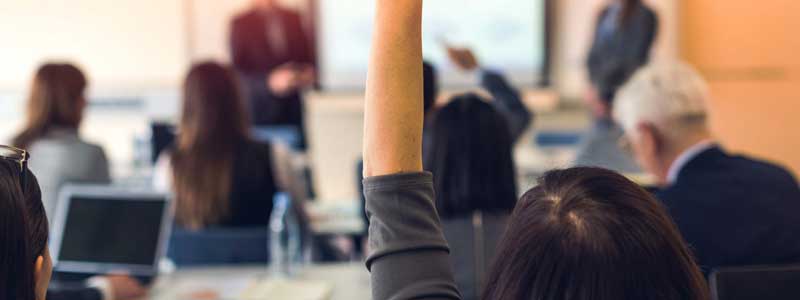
(277, 289)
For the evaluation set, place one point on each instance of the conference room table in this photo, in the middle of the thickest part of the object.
(345, 281)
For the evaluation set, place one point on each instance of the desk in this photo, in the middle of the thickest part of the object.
(336, 217)
(350, 281)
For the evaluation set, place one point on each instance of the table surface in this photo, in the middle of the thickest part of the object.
(350, 281)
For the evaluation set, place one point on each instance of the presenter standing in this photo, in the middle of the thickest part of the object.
(623, 39)
(273, 53)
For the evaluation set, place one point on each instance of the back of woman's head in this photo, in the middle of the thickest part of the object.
(471, 159)
(589, 233)
(56, 99)
(214, 123)
(23, 232)
(213, 109)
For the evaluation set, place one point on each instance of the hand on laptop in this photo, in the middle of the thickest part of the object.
(125, 287)
(118, 287)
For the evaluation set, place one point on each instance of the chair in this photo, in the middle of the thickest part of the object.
(757, 282)
(219, 246)
(288, 135)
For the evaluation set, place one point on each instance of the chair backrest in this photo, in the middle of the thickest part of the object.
(757, 282)
(288, 135)
(219, 246)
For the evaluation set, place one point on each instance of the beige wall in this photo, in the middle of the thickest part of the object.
(749, 52)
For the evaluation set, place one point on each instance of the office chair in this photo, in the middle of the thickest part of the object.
(756, 282)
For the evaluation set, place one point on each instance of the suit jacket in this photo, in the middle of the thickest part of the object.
(736, 211)
(617, 53)
(254, 59)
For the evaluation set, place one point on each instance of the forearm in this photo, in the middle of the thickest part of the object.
(393, 110)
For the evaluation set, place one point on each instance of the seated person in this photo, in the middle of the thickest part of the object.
(733, 210)
(55, 110)
(25, 264)
(582, 233)
(470, 153)
(219, 174)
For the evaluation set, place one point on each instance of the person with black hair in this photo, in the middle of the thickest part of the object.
(470, 153)
(25, 263)
(584, 233)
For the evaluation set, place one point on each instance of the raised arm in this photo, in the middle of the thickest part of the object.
(409, 255)
(393, 112)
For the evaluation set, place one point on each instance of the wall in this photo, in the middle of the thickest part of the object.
(749, 52)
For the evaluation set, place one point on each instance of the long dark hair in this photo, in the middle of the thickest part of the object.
(589, 233)
(24, 228)
(471, 159)
(54, 101)
(213, 125)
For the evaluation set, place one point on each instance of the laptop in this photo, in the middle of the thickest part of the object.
(100, 230)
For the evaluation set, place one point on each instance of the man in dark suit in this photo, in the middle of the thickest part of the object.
(732, 210)
(275, 58)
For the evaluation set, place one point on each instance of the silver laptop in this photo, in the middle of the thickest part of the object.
(101, 230)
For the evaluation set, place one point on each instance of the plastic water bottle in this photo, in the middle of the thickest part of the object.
(285, 236)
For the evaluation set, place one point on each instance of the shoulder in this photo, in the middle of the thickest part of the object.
(763, 169)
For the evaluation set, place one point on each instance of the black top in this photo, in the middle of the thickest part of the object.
(253, 59)
(253, 186)
(619, 50)
(736, 211)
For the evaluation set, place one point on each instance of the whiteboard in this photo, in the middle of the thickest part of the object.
(505, 34)
(120, 44)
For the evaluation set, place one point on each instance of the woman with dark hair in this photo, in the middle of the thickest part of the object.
(54, 114)
(25, 263)
(220, 175)
(623, 38)
(470, 152)
(582, 234)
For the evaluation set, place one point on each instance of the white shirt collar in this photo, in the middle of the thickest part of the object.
(686, 157)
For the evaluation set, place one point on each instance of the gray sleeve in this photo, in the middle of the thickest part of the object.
(409, 255)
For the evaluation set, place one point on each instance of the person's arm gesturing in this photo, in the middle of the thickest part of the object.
(409, 258)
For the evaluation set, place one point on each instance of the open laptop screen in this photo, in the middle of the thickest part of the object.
(119, 231)
(103, 230)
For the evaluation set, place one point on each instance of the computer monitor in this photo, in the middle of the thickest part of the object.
(102, 230)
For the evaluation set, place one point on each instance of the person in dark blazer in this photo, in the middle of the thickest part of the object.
(733, 210)
(275, 57)
(622, 43)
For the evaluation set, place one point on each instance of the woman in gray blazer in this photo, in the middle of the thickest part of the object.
(582, 234)
(54, 114)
